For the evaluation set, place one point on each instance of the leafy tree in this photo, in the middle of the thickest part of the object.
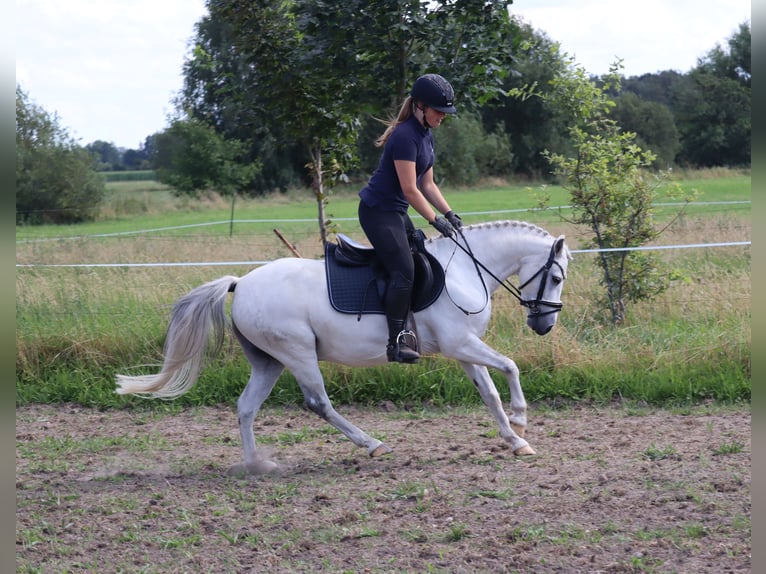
(611, 190)
(306, 72)
(713, 116)
(533, 124)
(734, 63)
(190, 156)
(55, 178)
(222, 90)
(713, 106)
(653, 124)
(148, 151)
(480, 154)
(656, 87)
(303, 88)
(468, 41)
(134, 159)
(108, 157)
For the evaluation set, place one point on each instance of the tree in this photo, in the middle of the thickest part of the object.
(190, 156)
(653, 124)
(55, 178)
(713, 116)
(135, 159)
(222, 90)
(713, 106)
(304, 90)
(656, 88)
(532, 123)
(734, 63)
(106, 154)
(308, 72)
(481, 154)
(611, 190)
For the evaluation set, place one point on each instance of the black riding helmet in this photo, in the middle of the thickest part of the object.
(435, 92)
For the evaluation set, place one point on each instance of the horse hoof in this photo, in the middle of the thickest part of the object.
(253, 468)
(524, 451)
(380, 451)
(519, 430)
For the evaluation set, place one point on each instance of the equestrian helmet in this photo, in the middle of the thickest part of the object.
(435, 92)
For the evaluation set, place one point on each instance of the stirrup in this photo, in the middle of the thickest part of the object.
(403, 350)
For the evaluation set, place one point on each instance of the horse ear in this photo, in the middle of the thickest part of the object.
(558, 245)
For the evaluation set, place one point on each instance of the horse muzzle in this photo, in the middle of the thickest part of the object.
(541, 325)
(541, 322)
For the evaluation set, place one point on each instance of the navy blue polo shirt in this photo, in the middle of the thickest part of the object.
(410, 141)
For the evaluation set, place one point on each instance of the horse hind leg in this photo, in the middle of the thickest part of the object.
(263, 376)
(310, 379)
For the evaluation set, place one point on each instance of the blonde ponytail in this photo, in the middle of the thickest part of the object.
(405, 113)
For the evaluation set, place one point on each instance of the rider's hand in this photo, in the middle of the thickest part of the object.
(454, 219)
(443, 226)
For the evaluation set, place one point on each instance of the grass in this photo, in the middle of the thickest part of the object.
(655, 453)
(77, 327)
(734, 447)
(132, 205)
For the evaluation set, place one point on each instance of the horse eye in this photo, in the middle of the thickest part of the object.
(556, 280)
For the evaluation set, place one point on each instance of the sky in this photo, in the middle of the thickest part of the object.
(649, 35)
(110, 69)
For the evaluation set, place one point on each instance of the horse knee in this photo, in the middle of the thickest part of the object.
(511, 369)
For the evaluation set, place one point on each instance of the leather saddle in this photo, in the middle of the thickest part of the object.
(357, 282)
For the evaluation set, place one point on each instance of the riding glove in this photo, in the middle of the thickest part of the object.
(443, 226)
(454, 219)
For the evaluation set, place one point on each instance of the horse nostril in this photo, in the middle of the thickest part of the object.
(541, 329)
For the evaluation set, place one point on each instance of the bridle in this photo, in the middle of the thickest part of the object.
(534, 305)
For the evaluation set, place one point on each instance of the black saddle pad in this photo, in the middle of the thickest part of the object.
(360, 289)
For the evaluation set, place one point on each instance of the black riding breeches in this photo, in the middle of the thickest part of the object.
(388, 232)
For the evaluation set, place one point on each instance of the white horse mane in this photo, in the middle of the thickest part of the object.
(523, 225)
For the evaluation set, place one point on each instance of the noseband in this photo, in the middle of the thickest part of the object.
(532, 304)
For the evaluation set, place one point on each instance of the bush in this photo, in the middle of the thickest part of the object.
(55, 179)
(466, 153)
(192, 157)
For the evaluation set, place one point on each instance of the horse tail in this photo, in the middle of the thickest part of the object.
(186, 342)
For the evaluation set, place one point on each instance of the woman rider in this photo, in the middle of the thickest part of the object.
(405, 177)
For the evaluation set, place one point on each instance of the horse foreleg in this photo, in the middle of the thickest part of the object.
(488, 392)
(518, 415)
(312, 385)
(477, 352)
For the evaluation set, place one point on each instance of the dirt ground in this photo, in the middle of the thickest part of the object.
(610, 490)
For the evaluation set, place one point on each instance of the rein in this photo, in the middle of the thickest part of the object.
(532, 304)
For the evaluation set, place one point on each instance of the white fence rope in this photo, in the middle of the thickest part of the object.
(256, 263)
(312, 220)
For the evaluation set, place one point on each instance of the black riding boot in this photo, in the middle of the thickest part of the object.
(402, 343)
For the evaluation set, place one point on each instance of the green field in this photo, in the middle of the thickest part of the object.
(78, 326)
